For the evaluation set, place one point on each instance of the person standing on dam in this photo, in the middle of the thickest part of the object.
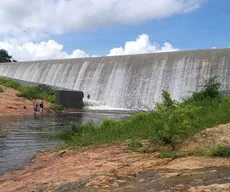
(88, 96)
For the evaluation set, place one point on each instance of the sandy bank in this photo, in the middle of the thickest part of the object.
(10, 104)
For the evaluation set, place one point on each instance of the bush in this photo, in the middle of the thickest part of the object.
(77, 129)
(35, 93)
(174, 121)
(166, 154)
(45, 88)
(169, 123)
(9, 83)
(43, 92)
(56, 108)
(210, 90)
(200, 152)
(221, 151)
(1, 90)
(133, 145)
(29, 93)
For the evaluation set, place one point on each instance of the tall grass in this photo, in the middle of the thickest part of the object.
(9, 83)
(36, 93)
(42, 92)
(168, 123)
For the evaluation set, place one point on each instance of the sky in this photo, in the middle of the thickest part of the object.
(54, 29)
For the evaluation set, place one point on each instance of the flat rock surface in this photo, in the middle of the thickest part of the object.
(114, 168)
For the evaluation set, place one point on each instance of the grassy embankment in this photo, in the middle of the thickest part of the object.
(167, 125)
(42, 92)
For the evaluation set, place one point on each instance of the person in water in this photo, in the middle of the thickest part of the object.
(88, 96)
(35, 108)
(41, 107)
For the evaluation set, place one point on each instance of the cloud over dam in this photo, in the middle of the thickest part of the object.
(125, 81)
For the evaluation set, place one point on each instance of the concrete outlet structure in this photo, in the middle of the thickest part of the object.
(70, 99)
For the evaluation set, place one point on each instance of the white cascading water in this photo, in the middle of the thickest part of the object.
(125, 81)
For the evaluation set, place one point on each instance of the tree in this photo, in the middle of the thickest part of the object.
(5, 57)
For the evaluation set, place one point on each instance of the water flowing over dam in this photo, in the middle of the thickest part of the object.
(123, 81)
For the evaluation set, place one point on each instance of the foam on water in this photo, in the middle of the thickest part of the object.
(97, 105)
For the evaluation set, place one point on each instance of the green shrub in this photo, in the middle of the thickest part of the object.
(166, 154)
(56, 108)
(167, 100)
(107, 124)
(169, 123)
(43, 92)
(34, 93)
(139, 117)
(221, 151)
(210, 90)
(45, 88)
(29, 93)
(174, 122)
(9, 83)
(200, 152)
(77, 129)
(133, 145)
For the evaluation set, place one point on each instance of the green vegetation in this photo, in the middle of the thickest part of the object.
(133, 145)
(9, 83)
(4, 56)
(220, 151)
(42, 92)
(216, 151)
(36, 93)
(56, 108)
(168, 124)
(166, 154)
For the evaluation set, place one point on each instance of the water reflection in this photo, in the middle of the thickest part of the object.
(23, 136)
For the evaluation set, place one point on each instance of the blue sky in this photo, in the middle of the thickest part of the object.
(206, 27)
(203, 27)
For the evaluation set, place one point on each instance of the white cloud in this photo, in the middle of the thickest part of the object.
(141, 45)
(30, 18)
(53, 50)
(39, 51)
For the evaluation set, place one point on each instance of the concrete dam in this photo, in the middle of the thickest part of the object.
(124, 81)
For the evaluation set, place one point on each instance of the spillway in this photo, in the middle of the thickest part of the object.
(123, 81)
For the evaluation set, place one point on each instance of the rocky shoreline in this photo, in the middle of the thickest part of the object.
(114, 168)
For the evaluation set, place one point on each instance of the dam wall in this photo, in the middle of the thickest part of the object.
(124, 81)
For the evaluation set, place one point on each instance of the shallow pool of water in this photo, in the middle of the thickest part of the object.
(21, 137)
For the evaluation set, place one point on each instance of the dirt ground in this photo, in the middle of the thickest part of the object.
(10, 104)
(111, 167)
(207, 138)
(101, 166)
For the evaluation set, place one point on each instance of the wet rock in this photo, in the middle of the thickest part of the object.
(121, 182)
(211, 188)
(20, 188)
(141, 181)
(115, 184)
(198, 181)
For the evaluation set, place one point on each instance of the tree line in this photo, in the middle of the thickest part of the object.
(5, 57)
